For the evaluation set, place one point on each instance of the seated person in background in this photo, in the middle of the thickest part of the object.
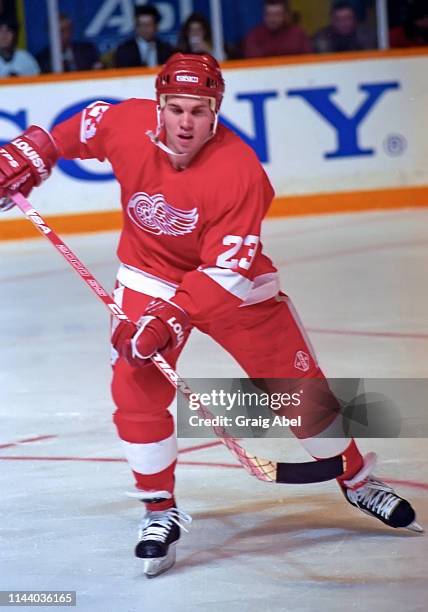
(195, 35)
(277, 35)
(144, 48)
(75, 55)
(414, 31)
(343, 33)
(13, 61)
(8, 10)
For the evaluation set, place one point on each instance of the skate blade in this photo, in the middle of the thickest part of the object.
(154, 567)
(415, 527)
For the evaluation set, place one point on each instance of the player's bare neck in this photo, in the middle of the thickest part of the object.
(178, 163)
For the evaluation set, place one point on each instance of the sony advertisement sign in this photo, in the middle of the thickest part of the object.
(317, 127)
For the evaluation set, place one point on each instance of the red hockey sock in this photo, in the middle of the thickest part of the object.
(353, 462)
(161, 481)
(163, 505)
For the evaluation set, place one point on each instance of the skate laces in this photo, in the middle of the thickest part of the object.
(156, 524)
(376, 496)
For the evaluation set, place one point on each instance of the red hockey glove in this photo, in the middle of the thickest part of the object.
(26, 162)
(162, 326)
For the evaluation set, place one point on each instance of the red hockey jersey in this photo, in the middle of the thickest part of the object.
(199, 227)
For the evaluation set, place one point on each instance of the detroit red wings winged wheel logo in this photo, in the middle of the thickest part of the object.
(154, 215)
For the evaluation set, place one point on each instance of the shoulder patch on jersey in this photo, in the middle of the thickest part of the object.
(154, 215)
(91, 117)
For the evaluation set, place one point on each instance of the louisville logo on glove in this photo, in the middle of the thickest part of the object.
(25, 163)
(163, 326)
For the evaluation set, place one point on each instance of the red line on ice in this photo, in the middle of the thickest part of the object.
(107, 460)
(354, 220)
(350, 332)
(190, 449)
(351, 251)
(414, 484)
(59, 458)
(209, 464)
(26, 440)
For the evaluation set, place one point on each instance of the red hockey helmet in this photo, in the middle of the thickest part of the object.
(191, 75)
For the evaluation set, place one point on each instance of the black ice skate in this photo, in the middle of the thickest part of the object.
(374, 497)
(159, 533)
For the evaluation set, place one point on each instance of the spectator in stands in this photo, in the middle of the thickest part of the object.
(195, 35)
(13, 61)
(414, 31)
(75, 55)
(145, 48)
(343, 33)
(8, 10)
(278, 34)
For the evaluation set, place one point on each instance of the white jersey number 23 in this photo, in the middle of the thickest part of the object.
(227, 260)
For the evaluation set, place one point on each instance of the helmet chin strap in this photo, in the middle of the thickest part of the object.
(156, 141)
(154, 136)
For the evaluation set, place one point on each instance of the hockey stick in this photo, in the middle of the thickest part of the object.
(263, 469)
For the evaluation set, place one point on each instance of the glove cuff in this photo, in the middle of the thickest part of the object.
(38, 149)
(142, 324)
(175, 319)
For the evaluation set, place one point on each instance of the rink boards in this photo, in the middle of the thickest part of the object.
(334, 133)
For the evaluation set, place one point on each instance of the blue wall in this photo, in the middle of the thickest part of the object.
(238, 17)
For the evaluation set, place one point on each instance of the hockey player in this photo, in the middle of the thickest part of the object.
(193, 198)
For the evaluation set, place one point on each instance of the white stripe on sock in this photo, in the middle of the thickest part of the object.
(329, 443)
(151, 457)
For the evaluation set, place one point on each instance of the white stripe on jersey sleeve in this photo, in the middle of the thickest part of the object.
(91, 116)
(231, 281)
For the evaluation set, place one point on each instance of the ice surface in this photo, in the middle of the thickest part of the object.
(359, 284)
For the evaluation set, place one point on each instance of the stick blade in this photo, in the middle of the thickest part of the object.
(310, 471)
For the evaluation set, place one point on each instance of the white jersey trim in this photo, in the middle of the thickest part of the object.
(264, 286)
(293, 311)
(231, 281)
(152, 457)
(140, 281)
(91, 116)
(118, 298)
